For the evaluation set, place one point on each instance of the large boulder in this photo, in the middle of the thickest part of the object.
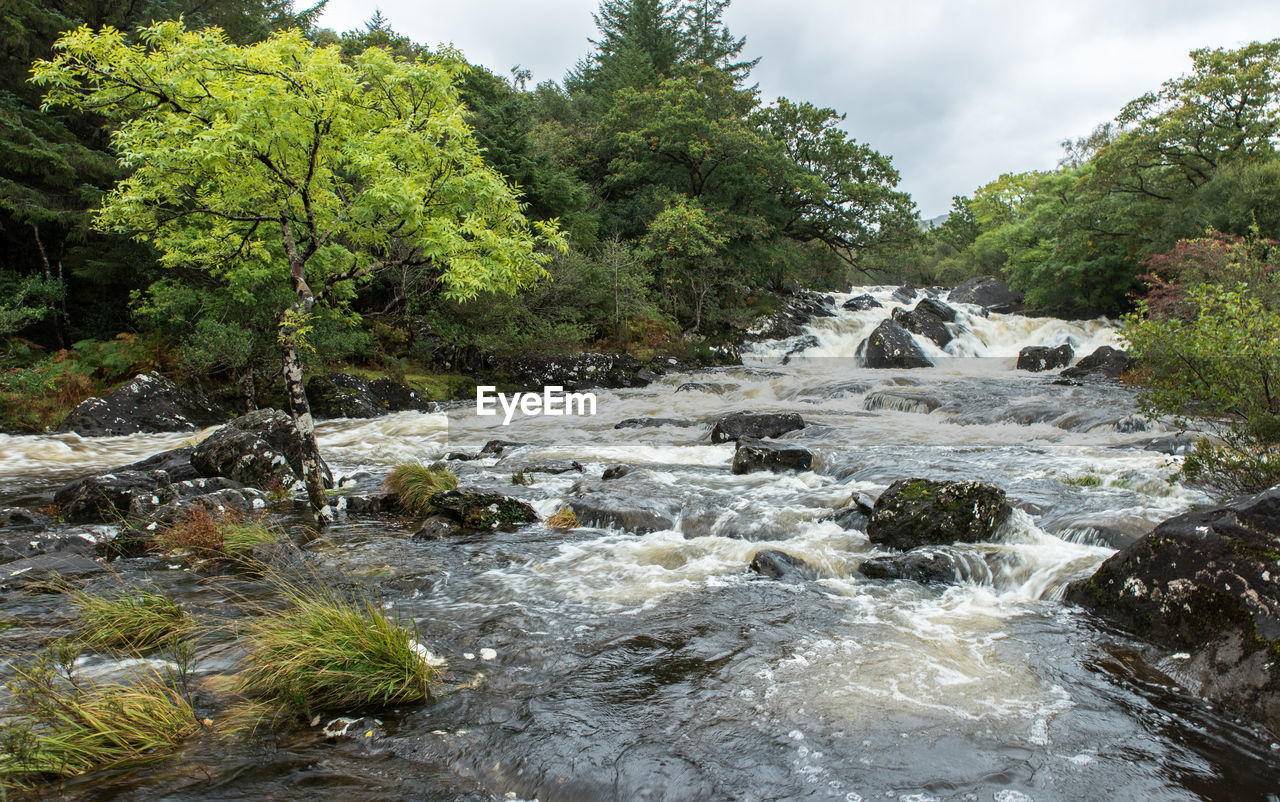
(862, 303)
(577, 371)
(758, 455)
(1205, 583)
(339, 395)
(792, 316)
(108, 496)
(988, 292)
(755, 424)
(922, 512)
(1105, 362)
(928, 319)
(891, 346)
(147, 403)
(1037, 358)
(261, 449)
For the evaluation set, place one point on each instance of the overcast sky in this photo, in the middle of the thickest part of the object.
(956, 92)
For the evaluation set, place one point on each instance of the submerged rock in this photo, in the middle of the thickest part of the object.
(988, 292)
(624, 505)
(339, 395)
(148, 403)
(758, 455)
(928, 565)
(755, 424)
(1206, 583)
(779, 565)
(922, 512)
(1037, 358)
(901, 401)
(891, 346)
(653, 423)
(1105, 362)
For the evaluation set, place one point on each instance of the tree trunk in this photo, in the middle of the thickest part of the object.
(300, 409)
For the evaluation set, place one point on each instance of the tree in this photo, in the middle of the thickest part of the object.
(638, 46)
(281, 163)
(705, 41)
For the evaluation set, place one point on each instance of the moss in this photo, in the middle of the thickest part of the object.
(916, 489)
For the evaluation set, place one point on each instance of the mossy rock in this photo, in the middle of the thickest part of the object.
(483, 510)
(923, 512)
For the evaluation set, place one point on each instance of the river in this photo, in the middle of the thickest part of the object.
(657, 666)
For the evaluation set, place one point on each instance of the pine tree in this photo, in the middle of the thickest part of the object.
(704, 40)
(638, 45)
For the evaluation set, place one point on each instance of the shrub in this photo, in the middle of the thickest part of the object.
(203, 536)
(414, 484)
(69, 726)
(564, 519)
(327, 652)
(136, 620)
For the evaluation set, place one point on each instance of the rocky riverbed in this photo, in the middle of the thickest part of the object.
(747, 610)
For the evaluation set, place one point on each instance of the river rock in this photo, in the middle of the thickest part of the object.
(626, 506)
(261, 449)
(615, 472)
(928, 565)
(904, 294)
(338, 395)
(792, 316)
(219, 497)
(575, 371)
(862, 303)
(44, 568)
(20, 545)
(1105, 362)
(901, 401)
(147, 403)
(715, 388)
(779, 565)
(800, 346)
(438, 527)
(922, 512)
(175, 463)
(1205, 583)
(1037, 358)
(759, 455)
(21, 516)
(925, 321)
(891, 346)
(373, 502)
(108, 496)
(496, 448)
(653, 423)
(755, 424)
(483, 510)
(988, 292)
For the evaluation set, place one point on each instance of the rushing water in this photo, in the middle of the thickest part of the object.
(656, 666)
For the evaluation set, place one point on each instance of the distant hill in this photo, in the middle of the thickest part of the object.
(934, 222)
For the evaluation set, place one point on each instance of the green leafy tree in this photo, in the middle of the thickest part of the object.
(281, 164)
(684, 245)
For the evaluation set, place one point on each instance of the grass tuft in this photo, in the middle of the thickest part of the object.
(414, 484)
(133, 620)
(566, 518)
(69, 726)
(1083, 480)
(203, 536)
(326, 652)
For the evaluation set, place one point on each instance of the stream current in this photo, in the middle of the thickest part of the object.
(657, 666)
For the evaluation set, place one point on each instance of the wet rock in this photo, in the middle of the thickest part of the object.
(371, 503)
(551, 466)
(779, 565)
(45, 568)
(936, 308)
(216, 503)
(615, 472)
(708, 387)
(21, 516)
(800, 346)
(901, 401)
(1105, 362)
(856, 515)
(107, 496)
(923, 321)
(261, 449)
(836, 390)
(281, 556)
(904, 294)
(922, 512)
(628, 508)
(755, 424)
(483, 510)
(143, 505)
(176, 464)
(496, 448)
(438, 527)
(20, 545)
(339, 395)
(862, 303)
(891, 346)
(653, 423)
(148, 403)
(988, 292)
(926, 565)
(759, 455)
(1037, 358)
(576, 371)
(792, 316)
(1205, 583)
